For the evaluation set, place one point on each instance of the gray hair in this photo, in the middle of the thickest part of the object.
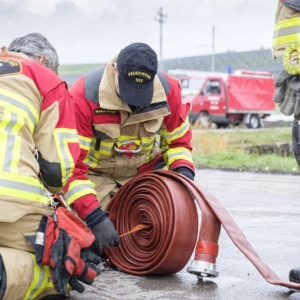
(36, 45)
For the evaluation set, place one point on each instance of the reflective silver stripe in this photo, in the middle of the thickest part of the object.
(77, 189)
(90, 159)
(68, 135)
(21, 105)
(178, 154)
(65, 136)
(10, 142)
(287, 31)
(106, 148)
(84, 143)
(40, 282)
(21, 186)
(177, 133)
(148, 143)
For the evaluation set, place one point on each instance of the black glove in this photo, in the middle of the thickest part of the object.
(92, 260)
(288, 94)
(103, 229)
(294, 275)
(59, 275)
(186, 172)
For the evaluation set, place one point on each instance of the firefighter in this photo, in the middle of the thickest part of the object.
(286, 45)
(39, 146)
(130, 120)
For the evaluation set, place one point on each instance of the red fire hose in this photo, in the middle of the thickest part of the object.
(164, 202)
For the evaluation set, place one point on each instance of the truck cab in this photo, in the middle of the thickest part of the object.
(208, 103)
(222, 98)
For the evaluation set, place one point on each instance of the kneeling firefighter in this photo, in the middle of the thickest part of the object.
(286, 45)
(43, 249)
(130, 121)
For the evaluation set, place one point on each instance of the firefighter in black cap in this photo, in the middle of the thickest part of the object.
(130, 120)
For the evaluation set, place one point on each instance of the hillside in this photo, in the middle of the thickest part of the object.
(258, 60)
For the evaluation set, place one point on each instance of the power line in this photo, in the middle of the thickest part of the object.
(161, 20)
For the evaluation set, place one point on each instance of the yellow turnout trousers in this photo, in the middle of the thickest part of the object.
(25, 279)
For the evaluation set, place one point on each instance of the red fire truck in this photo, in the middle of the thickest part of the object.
(221, 98)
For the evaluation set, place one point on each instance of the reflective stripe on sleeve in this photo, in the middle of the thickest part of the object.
(286, 31)
(77, 189)
(176, 154)
(23, 187)
(63, 137)
(177, 133)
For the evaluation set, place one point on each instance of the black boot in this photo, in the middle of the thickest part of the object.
(3, 279)
(294, 275)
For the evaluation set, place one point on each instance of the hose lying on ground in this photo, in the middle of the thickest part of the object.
(164, 202)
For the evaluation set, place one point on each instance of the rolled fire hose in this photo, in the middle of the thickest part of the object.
(165, 203)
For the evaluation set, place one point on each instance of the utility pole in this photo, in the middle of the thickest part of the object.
(213, 50)
(161, 20)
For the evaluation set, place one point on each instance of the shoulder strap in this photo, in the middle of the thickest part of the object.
(91, 84)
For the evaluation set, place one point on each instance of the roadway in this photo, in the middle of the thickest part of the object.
(265, 207)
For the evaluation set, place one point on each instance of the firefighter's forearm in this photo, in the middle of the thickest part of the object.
(85, 205)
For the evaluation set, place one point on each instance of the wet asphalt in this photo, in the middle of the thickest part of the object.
(266, 207)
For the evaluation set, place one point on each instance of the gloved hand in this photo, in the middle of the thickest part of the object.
(61, 244)
(103, 229)
(77, 286)
(288, 94)
(186, 172)
(296, 141)
(92, 260)
(67, 267)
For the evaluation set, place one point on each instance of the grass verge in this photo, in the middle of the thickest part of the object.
(224, 149)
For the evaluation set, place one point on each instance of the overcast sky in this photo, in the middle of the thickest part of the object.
(93, 31)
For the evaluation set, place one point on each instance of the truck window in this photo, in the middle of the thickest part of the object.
(191, 86)
(212, 88)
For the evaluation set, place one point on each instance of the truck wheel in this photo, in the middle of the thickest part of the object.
(254, 122)
(203, 120)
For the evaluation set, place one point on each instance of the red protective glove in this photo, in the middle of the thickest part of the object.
(61, 243)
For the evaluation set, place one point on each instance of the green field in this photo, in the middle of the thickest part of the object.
(76, 69)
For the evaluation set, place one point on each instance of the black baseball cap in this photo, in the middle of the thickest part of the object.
(137, 67)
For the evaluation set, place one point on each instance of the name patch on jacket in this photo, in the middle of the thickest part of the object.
(9, 66)
(100, 111)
